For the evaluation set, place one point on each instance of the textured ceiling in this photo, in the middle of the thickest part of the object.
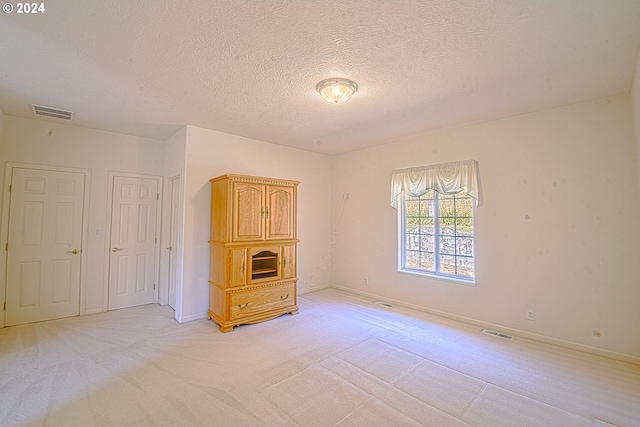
(250, 67)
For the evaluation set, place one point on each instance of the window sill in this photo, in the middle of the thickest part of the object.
(459, 280)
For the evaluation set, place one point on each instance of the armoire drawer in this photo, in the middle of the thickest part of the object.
(261, 299)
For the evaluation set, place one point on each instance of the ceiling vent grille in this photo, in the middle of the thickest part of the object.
(51, 112)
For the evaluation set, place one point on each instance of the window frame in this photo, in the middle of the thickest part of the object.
(402, 239)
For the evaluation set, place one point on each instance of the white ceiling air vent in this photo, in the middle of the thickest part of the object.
(51, 112)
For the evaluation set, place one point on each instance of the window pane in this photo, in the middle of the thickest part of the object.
(464, 227)
(465, 267)
(427, 243)
(412, 242)
(412, 259)
(448, 226)
(411, 223)
(447, 207)
(412, 207)
(447, 264)
(464, 246)
(447, 245)
(428, 261)
(464, 207)
(424, 208)
(427, 224)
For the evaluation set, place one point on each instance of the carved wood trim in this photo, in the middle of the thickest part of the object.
(256, 180)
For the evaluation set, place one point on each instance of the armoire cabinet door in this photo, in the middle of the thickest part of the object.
(288, 261)
(248, 212)
(237, 266)
(280, 214)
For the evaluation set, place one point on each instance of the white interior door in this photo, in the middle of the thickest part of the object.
(174, 228)
(133, 239)
(44, 245)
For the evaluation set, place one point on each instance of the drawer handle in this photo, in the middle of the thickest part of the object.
(284, 297)
(243, 306)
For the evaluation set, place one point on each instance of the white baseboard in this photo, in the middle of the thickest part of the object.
(192, 317)
(307, 289)
(511, 331)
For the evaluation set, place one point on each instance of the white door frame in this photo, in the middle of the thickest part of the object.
(4, 233)
(166, 236)
(107, 244)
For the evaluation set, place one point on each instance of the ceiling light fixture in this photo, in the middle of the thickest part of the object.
(336, 90)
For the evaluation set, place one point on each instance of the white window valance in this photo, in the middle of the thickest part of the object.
(445, 178)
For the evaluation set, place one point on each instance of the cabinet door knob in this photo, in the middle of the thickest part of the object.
(284, 297)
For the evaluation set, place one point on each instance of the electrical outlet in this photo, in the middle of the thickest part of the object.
(366, 280)
(529, 314)
(345, 196)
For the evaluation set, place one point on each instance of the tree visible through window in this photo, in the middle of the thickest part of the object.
(436, 235)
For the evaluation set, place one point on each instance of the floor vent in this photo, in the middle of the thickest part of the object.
(601, 423)
(384, 304)
(51, 112)
(498, 334)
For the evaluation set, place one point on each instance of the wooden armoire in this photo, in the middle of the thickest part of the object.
(253, 242)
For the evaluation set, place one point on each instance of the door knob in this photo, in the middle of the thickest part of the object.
(117, 249)
(74, 252)
(170, 248)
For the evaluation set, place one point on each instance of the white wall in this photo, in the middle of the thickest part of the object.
(2, 161)
(45, 143)
(175, 152)
(210, 154)
(1, 127)
(558, 234)
(1, 150)
(635, 96)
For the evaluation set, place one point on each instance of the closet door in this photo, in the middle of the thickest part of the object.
(133, 241)
(44, 248)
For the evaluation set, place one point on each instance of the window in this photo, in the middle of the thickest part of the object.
(436, 235)
(435, 218)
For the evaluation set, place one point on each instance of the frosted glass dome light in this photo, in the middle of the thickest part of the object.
(336, 90)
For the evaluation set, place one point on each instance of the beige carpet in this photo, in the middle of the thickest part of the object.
(343, 361)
